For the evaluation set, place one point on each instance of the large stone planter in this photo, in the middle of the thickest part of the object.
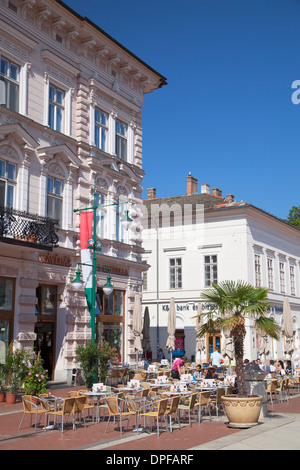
(242, 412)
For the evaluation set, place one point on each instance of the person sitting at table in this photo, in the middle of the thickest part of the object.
(197, 372)
(279, 368)
(178, 367)
(211, 373)
(288, 367)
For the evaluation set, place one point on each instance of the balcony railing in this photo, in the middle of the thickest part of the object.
(20, 227)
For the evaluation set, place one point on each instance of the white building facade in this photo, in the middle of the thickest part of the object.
(193, 240)
(70, 125)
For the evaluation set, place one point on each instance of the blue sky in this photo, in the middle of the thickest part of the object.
(226, 115)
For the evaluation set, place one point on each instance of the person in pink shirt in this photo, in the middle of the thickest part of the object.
(177, 366)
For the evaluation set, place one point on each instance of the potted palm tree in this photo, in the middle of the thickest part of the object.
(229, 304)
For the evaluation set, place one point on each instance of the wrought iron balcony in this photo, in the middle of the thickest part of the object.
(22, 228)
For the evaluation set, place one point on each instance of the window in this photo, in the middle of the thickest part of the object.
(8, 175)
(101, 130)
(210, 270)
(7, 293)
(9, 84)
(282, 277)
(100, 216)
(145, 280)
(110, 319)
(56, 108)
(292, 279)
(120, 230)
(121, 140)
(54, 199)
(270, 274)
(175, 273)
(257, 271)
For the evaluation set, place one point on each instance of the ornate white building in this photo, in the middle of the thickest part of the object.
(70, 121)
(193, 240)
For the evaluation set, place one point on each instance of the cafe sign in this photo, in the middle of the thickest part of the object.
(58, 260)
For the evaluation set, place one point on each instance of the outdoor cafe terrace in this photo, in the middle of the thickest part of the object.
(135, 404)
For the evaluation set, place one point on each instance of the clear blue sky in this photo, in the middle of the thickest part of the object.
(226, 114)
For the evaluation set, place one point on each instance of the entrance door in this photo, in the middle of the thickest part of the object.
(45, 345)
(213, 342)
(45, 326)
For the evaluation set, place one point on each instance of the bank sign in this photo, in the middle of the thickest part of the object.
(183, 307)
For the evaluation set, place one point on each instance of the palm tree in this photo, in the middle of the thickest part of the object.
(233, 302)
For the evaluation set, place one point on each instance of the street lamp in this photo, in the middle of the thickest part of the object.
(95, 245)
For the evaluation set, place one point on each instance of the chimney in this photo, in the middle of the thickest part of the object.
(216, 192)
(191, 185)
(230, 198)
(151, 193)
(205, 188)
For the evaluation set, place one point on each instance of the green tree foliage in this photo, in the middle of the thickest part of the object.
(229, 304)
(294, 216)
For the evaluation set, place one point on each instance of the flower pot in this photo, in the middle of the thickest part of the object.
(242, 412)
(2, 397)
(11, 398)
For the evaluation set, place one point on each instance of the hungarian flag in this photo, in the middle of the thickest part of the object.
(86, 232)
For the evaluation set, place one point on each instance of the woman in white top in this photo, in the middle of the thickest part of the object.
(279, 368)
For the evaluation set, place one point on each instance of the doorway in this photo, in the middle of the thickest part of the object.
(44, 345)
(45, 326)
(213, 342)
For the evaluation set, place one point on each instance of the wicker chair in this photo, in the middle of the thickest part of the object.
(189, 407)
(114, 411)
(172, 409)
(216, 399)
(29, 408)
(157, 410)
(204, 401)
(67, 410)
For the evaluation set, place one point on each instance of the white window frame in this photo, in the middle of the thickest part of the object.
(292, 279)
(257, 270)
(177, 268)
(101, 215)
(67, 119)
(23, 80)
(282, 276)
(270, 268)
(54, 195)
(101, 126)
(211, 264)
(9, 182)
(121, 137)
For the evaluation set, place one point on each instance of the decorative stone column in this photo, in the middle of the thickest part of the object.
(255, 385)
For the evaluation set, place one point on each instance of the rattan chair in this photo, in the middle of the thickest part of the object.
(67, 410)
(189, 407)
(271, 389)
(216, 399)
(204, 401)
(172, 409)
(88, 405)
(158, 411)
(114, 411)
(29, 408)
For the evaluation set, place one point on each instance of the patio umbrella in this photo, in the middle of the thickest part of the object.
(288, 326)
(170, 345)
(200, 342)
(264, 346)
(228, 347)
(137, 325)
(146, 332)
